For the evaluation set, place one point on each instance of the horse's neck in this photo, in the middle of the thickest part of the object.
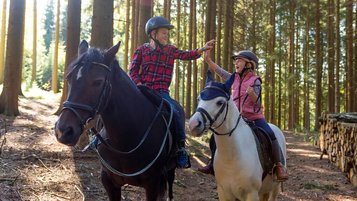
(127, 106)
(234, 145)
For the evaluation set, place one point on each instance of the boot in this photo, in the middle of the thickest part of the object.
(208, 169)
(280, 170)
(183, 160)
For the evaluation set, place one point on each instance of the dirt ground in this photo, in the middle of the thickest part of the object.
(34, 166)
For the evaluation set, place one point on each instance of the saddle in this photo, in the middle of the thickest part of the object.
(264, 148)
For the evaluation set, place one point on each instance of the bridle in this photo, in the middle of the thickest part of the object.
(99, 106)
(211, 120)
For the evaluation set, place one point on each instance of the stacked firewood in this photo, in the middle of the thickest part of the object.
(338, 140)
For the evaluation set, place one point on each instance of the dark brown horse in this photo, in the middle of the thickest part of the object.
(136, 146)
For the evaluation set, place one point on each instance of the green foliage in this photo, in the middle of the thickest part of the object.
(49, 25)
(27, 68)
(312, 138)
(44, 70)
(63, 25)
(316, 185)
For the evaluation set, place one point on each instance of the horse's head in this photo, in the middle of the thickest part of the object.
(89, 90)
(212, 106)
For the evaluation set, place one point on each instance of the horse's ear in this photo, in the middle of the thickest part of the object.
(209, 77)
(83, 47)
(229, 82)
(110, 53)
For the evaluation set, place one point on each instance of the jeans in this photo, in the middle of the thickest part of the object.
(265, 126)
(176, 116)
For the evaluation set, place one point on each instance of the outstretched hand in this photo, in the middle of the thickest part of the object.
(207, 56)
(208, 46)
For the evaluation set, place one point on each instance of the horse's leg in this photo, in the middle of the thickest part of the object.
(170, 181)
(113, 192)
(275, 192)
(224, 195)
(152, 190)
(253, 196)
(264, 197)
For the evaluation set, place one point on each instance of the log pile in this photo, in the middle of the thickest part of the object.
(338, 140)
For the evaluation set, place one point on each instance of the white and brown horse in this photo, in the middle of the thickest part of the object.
(238, 170)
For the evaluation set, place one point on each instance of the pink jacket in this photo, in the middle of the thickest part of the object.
(250, 109)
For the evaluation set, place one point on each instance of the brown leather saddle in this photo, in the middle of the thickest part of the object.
(263, 143)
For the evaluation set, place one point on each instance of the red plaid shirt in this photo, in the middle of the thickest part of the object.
(154, 67)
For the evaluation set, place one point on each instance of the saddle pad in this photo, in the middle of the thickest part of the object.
(263, 145)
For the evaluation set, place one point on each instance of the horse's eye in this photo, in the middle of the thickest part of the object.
(97, 83)
(220, 102)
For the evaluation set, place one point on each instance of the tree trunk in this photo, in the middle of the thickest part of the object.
(167, 9)
(337, 61)
(219, 34)
(55, 55)
(226, 29)
(306, 113)
(355, 64)
(73, 35)
(270, 104)
(210, 33)
(102, 24)
(177, 65)
(134, 26)
(318, 64)
(189, 63)
(254, 25)
(194, 67)
(349, 56)
(14, 55)
(126, 45)
(331, 56)
(291, 56)
(3, 39)
(145, 13)
(34, 43)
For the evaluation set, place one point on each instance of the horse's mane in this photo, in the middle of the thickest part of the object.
(97, 55)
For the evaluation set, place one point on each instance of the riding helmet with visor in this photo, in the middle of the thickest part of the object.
(248, 56)
(156, 23)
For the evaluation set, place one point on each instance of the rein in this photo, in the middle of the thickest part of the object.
(94, 144)
(141, 141)
(99, 107)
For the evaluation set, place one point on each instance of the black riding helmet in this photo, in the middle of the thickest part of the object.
(156, 23)
(248, 55)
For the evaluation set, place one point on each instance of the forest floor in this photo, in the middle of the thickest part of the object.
(34, 166)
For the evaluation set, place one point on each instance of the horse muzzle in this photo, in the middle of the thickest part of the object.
(196, 125)
(67, 134)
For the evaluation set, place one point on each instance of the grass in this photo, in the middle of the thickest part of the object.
(316, 185)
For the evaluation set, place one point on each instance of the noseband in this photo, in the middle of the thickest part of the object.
(211, 120)
(101, 103)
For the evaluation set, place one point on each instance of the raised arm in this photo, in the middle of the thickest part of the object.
(214, 67)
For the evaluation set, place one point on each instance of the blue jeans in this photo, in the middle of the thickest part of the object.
(265, 126)
(176, 116)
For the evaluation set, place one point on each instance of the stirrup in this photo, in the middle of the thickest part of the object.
(282, 172)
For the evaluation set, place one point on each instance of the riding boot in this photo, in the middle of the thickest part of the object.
(183, 160)
(280, 170)
(208, 169)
